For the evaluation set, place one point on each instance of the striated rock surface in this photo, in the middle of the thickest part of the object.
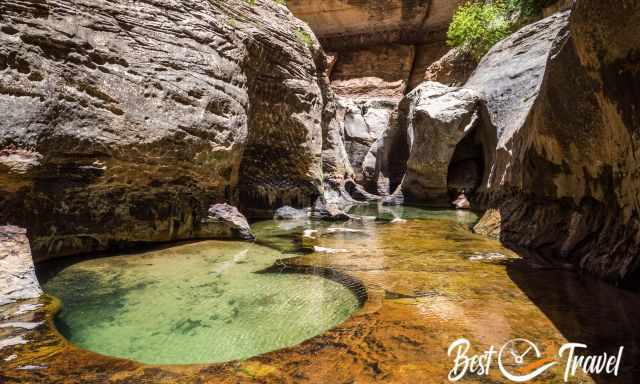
(349, 23)
(564, 100)
(382, 50)
(17, 275)
(436, 120)
(123, 122)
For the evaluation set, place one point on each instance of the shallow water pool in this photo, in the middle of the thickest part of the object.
(196, 303)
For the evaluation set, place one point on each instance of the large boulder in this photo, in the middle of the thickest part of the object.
(124, 122)
(563, 96)
(224, 221)
(290, 213)
(437, 118)
(509, 78)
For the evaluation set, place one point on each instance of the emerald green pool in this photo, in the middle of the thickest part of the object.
(197, 303)
(207, 302)
(422, 278)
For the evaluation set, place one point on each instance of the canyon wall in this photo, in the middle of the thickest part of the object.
(565, 177)
(550, 148)
(124, 122)
(381, 50)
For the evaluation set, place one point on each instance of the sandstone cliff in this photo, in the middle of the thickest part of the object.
(565, 179)
(123, 122)
(381, 50)
(553, 150)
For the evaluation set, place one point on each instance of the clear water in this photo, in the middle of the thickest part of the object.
(196, 303)
(286, 236)
(430, 281)
(205, 302)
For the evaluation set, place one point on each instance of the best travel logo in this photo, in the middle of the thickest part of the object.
(520, 360)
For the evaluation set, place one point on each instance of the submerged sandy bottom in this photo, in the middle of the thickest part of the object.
(427, 282)
(198, 303)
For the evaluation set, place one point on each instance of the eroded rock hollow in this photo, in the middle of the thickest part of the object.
(124, 122)
(565, 179)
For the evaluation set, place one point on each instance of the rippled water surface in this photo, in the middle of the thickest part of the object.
(194, 303)
(428, 279)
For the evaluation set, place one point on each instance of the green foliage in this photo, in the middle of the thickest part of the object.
(477, 27)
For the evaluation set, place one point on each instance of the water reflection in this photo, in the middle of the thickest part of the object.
(588, 311)
(429, 281)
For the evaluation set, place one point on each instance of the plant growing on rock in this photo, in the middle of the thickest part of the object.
(304, 37)
(477, 27)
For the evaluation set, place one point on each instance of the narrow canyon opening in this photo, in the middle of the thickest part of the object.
(467, 166)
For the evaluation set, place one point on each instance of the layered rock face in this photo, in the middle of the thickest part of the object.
(123, 122)
(565, 178)
(369, 84)
(381, 50)
(347, 23)
(455, 140)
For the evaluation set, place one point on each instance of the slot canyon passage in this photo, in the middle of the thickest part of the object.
(317, 191)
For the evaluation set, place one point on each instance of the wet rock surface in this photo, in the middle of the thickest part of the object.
(328, 211)
(423, 283)
(290, 213)
(224, 221)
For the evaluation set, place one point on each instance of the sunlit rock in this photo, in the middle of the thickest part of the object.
(224, 222)
(18, 279)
